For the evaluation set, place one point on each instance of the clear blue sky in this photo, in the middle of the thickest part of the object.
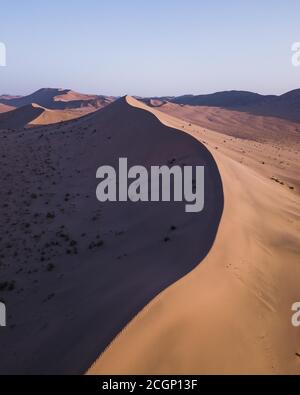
(155, 47)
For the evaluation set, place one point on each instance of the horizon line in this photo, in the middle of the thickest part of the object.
(155, 97)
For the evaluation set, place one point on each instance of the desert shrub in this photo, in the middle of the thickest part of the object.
(50, 267)
(50, 215)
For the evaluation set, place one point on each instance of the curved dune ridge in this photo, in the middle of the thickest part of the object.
(35, 115)
(49, 117)
(239, 124)
(58, 99)
(232, 313)
(20, 117)
(84, 269)
(56, 105)
(284, 106)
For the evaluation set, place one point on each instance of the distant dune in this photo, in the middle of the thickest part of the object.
(20, 117)
(227, 99)
(33, 115)
(56, 105)
(237, 124)
(268, 145)
(5, 108)
(48, 117)
(8, 97)
(286, 106)
(59, 99)
(156, 102)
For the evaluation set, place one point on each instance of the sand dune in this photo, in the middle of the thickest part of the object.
(232, 314)
(34, 115)
(59, 99)
(74, 272)
(5, 108)
(152, 102)
(56, 105)
(238, 124)
(78, 276)
(267, 145)
(286, 106)
(49, 117)
(9, 97)
(20, 117)
(69, 95)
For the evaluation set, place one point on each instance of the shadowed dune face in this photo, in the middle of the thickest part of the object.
(78, 271)
(20, 117)
(285, 106)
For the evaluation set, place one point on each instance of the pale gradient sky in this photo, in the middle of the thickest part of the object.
(158, 47)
